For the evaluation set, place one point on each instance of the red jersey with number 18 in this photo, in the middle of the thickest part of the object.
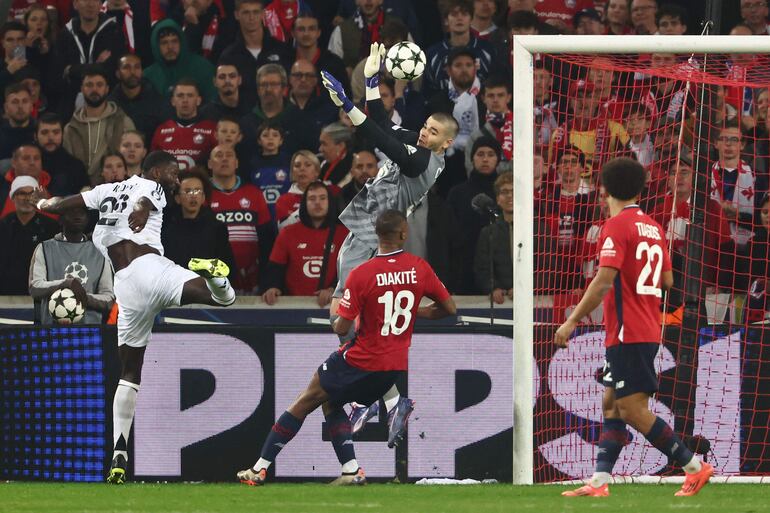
(384, 293)
(633, 243)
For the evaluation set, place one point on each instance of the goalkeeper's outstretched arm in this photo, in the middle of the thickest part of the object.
(412, 160)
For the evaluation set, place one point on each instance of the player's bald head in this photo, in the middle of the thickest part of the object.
(390, 225)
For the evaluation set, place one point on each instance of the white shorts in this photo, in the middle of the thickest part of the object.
(144, 288)
(352, 253)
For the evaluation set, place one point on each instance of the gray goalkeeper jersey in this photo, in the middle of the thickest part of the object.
(390, 189)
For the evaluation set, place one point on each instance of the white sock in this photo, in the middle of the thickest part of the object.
(221, 290)
(693, 466)
(600, 479)
(261, 463)
(391, 398)
(350, 467)
(123, 407)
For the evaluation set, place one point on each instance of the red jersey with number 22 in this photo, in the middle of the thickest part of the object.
(634, 244)
(386, 292)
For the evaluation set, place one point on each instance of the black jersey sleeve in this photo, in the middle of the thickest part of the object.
(412, 160)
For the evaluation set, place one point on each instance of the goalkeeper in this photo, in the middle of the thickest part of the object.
(415, 160)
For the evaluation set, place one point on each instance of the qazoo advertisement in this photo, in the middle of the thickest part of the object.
(210, 396)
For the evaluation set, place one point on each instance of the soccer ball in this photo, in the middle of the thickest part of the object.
(405, 61)
(65, 308)
(77, 270)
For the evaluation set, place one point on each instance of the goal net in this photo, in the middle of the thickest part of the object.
(697, 120)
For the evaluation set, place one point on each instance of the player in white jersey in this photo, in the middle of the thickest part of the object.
(128, 234)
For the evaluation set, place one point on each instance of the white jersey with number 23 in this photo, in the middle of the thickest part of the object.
(115, 202)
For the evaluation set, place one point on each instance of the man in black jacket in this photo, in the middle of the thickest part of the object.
(192, 230)
(485, 155)
(18, 127)
(252, 37)
(68, 174)
(137, 96)
(20, 232)
(497, 280)
(88, 38)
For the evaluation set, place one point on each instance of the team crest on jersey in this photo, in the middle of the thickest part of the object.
(281, 175)
(244, 203)
(198, 138)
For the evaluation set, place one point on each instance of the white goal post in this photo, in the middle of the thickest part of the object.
(524, 47)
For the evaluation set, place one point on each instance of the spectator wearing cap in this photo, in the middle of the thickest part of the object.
(617, 16)
(95, 128)
(671, 20)
(498, 122)
(754, 14)
(137, 97)
(26, 161)
(18, 126)
(70, 260)
(588, 22)
(643, 16)
(21, 231)
(598, 138)
(254, 47)
(174, 61)
(68, 174)
(461, 97)
(485, 155)
(457, 16)
(89, 38)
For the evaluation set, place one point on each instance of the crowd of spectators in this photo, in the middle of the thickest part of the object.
(231, 88)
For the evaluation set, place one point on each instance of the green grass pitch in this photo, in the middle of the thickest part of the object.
(390, 498)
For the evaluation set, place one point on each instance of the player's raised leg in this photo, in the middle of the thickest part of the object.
(214, 288)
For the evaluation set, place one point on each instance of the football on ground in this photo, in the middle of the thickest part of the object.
(405, 61)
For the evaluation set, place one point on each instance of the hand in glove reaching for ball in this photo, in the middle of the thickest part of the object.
(373, 63)
(336, 91)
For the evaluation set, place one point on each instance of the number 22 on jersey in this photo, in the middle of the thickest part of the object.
(650, 254)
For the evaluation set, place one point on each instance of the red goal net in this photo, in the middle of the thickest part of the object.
(699, 125)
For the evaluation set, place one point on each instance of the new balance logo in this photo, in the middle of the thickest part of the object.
(302, 245)
(619, 385)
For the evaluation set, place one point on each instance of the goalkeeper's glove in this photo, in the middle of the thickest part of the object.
(336, 91)
(373, 64)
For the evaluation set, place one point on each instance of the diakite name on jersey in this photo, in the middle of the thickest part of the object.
(648, 230)
(396, 278)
